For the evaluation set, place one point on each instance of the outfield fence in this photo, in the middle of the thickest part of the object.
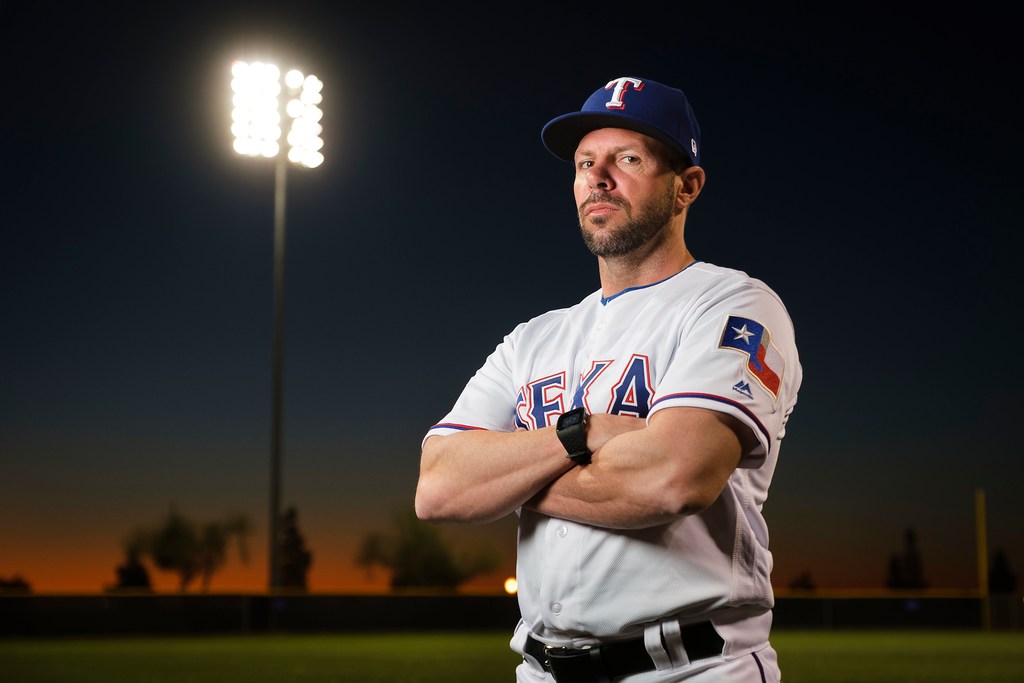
(163, 614)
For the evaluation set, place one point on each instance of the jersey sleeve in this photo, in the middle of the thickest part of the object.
(738, 355)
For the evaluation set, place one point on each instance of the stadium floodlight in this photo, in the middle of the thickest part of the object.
(269, 113)
(257, 120)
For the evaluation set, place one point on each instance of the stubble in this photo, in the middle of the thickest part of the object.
(641, 229)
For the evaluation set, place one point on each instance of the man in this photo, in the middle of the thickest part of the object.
(635, 434)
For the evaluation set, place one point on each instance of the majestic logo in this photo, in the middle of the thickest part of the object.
(619, 87)
(764, 362)
(743, 388)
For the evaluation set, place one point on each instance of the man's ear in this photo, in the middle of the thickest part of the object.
(692, 183)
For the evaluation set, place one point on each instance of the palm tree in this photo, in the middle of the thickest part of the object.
(178, 545)
(213, 545)
(174, 547)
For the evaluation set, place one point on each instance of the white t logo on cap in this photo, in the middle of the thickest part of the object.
(621, 85)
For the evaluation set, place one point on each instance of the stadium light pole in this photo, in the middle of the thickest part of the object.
(260, 118)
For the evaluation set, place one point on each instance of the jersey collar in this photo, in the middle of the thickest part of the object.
(606, 299)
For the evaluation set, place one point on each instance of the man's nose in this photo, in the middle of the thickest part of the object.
(598, 177)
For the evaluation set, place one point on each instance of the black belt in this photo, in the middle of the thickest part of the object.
(602, 663)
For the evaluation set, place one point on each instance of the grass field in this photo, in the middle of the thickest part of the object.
(806, 657)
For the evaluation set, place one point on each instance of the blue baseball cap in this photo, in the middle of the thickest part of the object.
(637, 104)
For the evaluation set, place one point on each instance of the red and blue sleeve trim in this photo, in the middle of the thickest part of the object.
(455, 425)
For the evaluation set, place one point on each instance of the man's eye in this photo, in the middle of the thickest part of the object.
(586, 164)
(630, 159)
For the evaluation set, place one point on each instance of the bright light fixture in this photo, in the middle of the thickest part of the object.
(257, 121)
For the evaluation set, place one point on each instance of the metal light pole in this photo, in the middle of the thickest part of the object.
(256, 124)
(277, 409)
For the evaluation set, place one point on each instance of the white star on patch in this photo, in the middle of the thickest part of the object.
(743, 333)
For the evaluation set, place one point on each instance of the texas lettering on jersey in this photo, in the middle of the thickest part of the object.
(539, 403)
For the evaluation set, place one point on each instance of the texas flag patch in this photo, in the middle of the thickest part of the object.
(752, 338)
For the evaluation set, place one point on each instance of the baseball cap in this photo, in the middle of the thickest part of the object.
(637, 104)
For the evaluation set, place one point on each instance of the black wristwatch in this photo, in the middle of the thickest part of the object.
(571, 429)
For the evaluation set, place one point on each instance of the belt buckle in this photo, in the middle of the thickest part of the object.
(575, 665)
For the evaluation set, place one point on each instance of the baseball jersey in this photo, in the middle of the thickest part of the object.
(707, 337)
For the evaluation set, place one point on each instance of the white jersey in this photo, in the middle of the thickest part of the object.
(708, 337)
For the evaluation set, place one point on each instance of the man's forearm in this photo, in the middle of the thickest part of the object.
(481, 476)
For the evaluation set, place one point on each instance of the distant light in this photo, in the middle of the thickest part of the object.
(313, 84)
(270, 149)
(310, 97)
(511, 585)
(294, 108)
(312, 113)
(257, 121)
(294, 78)
(270, 71)
(313, 159)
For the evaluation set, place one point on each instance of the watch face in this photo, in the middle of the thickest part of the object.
(571, 418)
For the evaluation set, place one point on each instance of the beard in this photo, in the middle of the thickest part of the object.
(638, 230)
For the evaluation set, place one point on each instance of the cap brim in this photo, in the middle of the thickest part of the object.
(562, 135)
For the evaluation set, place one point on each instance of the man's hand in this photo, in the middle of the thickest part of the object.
(603, 427)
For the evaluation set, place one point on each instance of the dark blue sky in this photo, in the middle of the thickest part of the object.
(864, 164)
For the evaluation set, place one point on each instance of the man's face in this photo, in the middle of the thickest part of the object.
(625, 190)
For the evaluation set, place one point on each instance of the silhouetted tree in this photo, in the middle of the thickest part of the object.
(132, 573)
(906, 569)
(1001, 579)
(375, 550)
(213, 545)
(178, 545)
(174, 547)
(417, 555)
(15, 585)
(803, 581)
(296, 559)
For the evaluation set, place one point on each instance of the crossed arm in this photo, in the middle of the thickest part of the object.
(642, 472)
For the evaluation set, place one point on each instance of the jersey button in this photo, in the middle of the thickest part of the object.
(556, 607)
(562, 531)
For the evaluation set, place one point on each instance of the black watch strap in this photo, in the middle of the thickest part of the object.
(571, 429)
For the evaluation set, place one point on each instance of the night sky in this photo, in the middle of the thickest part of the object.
(865, 164)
